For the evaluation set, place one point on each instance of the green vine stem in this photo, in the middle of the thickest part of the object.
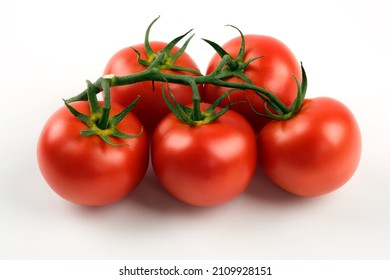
(228, 67)
(152, 73)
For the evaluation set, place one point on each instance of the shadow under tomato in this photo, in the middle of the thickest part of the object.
(264, 190)
(151, 194)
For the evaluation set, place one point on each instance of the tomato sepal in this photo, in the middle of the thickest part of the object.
(293, 109)
(230, 67)
(99, 121)
(186, 114)
(169, 59)
(234, 67)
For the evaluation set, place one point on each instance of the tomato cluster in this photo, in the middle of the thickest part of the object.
(207, 132)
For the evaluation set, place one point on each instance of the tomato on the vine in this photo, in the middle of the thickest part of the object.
(272, 70)
(85, 169)
(205, 164)
(313, 153)
(151, 108)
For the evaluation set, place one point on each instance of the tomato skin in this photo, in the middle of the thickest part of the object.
(272, 72)
(151, 108)
(86, 170)
(313, 153)
(204, 165)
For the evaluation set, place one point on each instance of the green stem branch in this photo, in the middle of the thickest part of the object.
(155, 73)
(152, 74)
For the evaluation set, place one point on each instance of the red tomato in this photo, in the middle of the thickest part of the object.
(272, 72)
(87, 170)
(315, 152)
(204, 165)
(151, 108)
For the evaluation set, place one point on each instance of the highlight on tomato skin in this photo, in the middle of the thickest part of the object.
(204, 165)
(315, 152)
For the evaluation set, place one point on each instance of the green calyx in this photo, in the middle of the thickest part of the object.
(193, 116)
(168, 61)
(99, 121)
(233, 66)
(295, 106)
(230, 67)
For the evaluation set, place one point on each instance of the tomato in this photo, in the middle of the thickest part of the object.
(315, 152)
(273, 72)
(204, 165)
(151, 108)
(87, 170)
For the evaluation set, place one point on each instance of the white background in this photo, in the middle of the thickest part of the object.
(48, 50)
